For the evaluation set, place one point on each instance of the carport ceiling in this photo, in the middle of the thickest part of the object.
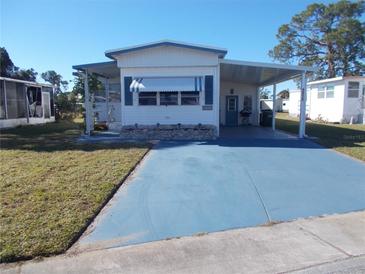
(260, 74)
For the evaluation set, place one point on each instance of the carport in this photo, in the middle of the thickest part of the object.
(255, 75)
(106, 104)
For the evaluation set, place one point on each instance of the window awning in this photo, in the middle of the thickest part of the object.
(166, 84)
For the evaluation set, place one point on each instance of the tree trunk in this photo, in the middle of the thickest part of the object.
(330, 60)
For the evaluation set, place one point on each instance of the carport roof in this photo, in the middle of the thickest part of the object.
(104, 69)
(257, 73)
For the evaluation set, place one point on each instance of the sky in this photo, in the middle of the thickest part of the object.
(56, 34)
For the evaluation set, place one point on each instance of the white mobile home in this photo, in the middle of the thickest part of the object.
(24, 102)
(280, 103)
(337, 100)
(170, 89)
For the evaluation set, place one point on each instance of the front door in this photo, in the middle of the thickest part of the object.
(231, 110)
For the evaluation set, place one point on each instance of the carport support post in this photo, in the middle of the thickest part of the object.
(108, 118)
(273, 106)
(5, 101)
(88, 116)
(303, 104)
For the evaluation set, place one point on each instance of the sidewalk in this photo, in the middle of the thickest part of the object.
(328, 244)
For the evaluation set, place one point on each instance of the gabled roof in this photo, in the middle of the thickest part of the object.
(220, 51)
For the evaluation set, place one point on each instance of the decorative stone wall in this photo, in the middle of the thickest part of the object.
(169, 132)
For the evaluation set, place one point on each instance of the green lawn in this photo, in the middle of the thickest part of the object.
(348, 139)
(51, 187)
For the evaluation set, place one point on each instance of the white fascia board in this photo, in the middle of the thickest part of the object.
(326, 81)
(266, 65)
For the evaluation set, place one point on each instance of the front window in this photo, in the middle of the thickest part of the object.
(189, 98)
(147, 98)
(353, 90)
(326, 92)
(168, 98)
(330, 92)
(321, 93)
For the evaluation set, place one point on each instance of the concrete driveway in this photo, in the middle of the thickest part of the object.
(188, 188)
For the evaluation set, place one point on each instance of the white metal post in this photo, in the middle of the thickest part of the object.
(26, 102)
(88, 114)
(5, 101)
(107, 99)
(258, 105)
(273, 106)
(216, 97)
(303, 105)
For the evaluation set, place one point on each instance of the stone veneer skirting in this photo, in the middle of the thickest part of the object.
(169, 132)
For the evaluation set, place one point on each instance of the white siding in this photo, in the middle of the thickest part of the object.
(240, 90)
(339, 109)
(267, 104)
(151, 115)
(353, 106)
(167, 56)
(285, 105)
(294, 103)
(329, 109)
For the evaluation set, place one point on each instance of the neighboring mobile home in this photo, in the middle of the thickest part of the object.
(175, 90)
(337, 100)
(281, 104)
(24, 102)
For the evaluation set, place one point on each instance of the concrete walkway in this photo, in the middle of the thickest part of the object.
(333, 244)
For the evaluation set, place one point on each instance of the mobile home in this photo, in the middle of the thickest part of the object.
(24, 103)
(337, 100)
(177, 90)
